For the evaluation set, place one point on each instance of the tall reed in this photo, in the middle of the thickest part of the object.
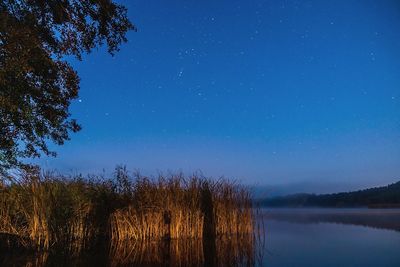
(45, 210)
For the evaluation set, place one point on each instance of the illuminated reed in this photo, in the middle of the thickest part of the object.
(175, 208)
(45, 210)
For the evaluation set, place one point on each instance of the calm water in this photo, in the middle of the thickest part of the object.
(293, 237)
(332, 237)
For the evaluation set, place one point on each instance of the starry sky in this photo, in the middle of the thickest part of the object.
(297, 94)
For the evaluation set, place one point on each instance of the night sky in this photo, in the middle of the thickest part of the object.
(302, 94)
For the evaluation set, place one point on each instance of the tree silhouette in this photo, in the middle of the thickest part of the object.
(37, 84)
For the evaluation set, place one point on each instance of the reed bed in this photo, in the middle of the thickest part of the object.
(176, 207)
(42, 211)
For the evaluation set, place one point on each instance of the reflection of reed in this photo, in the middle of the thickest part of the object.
(238, 251)
(228, 251)
(24, 260)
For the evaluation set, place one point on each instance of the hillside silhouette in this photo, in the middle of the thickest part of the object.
(377, 197)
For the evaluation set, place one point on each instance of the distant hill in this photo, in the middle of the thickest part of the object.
(385, 196)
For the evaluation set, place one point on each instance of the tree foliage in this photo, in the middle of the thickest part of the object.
(37, 84)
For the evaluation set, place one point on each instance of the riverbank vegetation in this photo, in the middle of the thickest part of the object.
(44, 210)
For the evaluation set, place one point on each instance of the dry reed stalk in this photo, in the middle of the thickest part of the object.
(53, 211)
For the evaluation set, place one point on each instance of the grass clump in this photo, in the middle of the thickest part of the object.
(45, 210)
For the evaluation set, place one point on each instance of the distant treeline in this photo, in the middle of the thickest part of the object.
(385, 196)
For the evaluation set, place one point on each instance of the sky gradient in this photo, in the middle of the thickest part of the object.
(299, 94)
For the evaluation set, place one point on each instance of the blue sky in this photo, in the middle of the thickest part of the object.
(276, 93)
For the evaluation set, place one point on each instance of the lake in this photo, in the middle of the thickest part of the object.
(293, 237)
(332, 237)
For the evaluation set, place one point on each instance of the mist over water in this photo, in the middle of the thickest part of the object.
(292, 237)
(332, 237)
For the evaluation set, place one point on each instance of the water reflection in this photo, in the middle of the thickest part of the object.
(226, 251)
(294, 237)
(189, 252)
(330, 245)
(375, 218)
